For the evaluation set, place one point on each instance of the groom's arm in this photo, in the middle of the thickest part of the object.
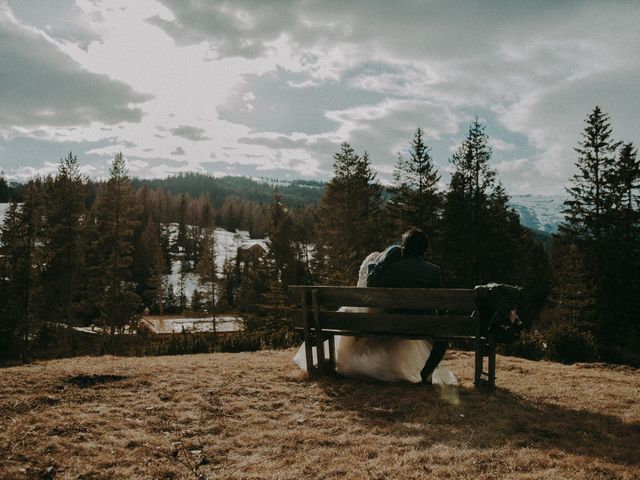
(376, 277)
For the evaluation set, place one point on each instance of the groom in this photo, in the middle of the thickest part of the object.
(405, 267)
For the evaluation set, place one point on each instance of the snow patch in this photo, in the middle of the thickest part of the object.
(224, 324)
(541, 212)
(226, 245)
(3, 209)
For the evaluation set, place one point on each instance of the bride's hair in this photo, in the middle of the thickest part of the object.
(414, 242)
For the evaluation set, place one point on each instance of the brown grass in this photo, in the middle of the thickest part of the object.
(254, 415)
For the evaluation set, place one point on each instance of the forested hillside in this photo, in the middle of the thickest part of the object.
(295, 193)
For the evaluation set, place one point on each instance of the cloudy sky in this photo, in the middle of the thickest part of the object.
(271, 88)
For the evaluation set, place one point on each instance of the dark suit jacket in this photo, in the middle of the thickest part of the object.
(408, 272)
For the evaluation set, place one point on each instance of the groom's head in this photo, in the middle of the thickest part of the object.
(414, 242)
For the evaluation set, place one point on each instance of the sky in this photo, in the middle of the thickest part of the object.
(272, 88)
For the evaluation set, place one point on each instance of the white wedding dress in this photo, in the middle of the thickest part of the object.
(388, 359)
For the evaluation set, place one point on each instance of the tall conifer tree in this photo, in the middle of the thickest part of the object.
(65, 242)
(590, 195)
(5, 191)
(623, 252)
(284, 246)
(350, 221)
(207, 270)
(21, 254)
(415, 199)
(476, 221)
(116, 217)
(589, 222)
(150, 260)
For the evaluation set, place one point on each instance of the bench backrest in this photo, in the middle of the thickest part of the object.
(410, 312)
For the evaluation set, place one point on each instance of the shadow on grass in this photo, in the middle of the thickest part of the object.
(86, 381)
(467, 418)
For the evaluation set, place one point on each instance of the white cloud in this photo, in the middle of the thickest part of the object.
(43, 87)
(331, 71)
(500, 145)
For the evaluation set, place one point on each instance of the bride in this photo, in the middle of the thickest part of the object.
(387, 359)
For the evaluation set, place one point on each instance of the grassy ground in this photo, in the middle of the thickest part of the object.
(254, 415)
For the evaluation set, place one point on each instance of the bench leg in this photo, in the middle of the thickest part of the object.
(322, 363)
(492, 362)
(308, 340)
(485, 348)
(332, 354)
(479, 363)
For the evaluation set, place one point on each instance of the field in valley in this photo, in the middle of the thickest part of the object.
(254, 415)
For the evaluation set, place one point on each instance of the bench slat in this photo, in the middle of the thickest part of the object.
(393, 323)
(452, 300)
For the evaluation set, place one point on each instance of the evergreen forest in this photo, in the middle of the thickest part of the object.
(76, 252)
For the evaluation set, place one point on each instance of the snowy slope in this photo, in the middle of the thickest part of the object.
(226, 244)
(178, 325)
(539, 211)
(3, 209)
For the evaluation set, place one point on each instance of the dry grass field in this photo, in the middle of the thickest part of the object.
(254, 415)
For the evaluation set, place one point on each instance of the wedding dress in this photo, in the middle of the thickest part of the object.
(387, 359)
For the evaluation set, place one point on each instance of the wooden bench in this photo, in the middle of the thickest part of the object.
(415, 313)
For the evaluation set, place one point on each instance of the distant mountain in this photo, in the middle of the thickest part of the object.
(539, 212)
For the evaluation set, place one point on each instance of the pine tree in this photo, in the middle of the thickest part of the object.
(5, 191)
(626, 185)
(273, 308)
(196, 301)
(65, 242)
(170, 302)
(284, 246)
(574, 289)
(622, 285)
(207, 271)
(227, 285)
(591, 198)
(21, 253)
(116, 217)
(150, 257)
(182, 285)
(350, 220)
(415, 200)
(478, 228)
(602, 223)
(182, 241)
(253, 282)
